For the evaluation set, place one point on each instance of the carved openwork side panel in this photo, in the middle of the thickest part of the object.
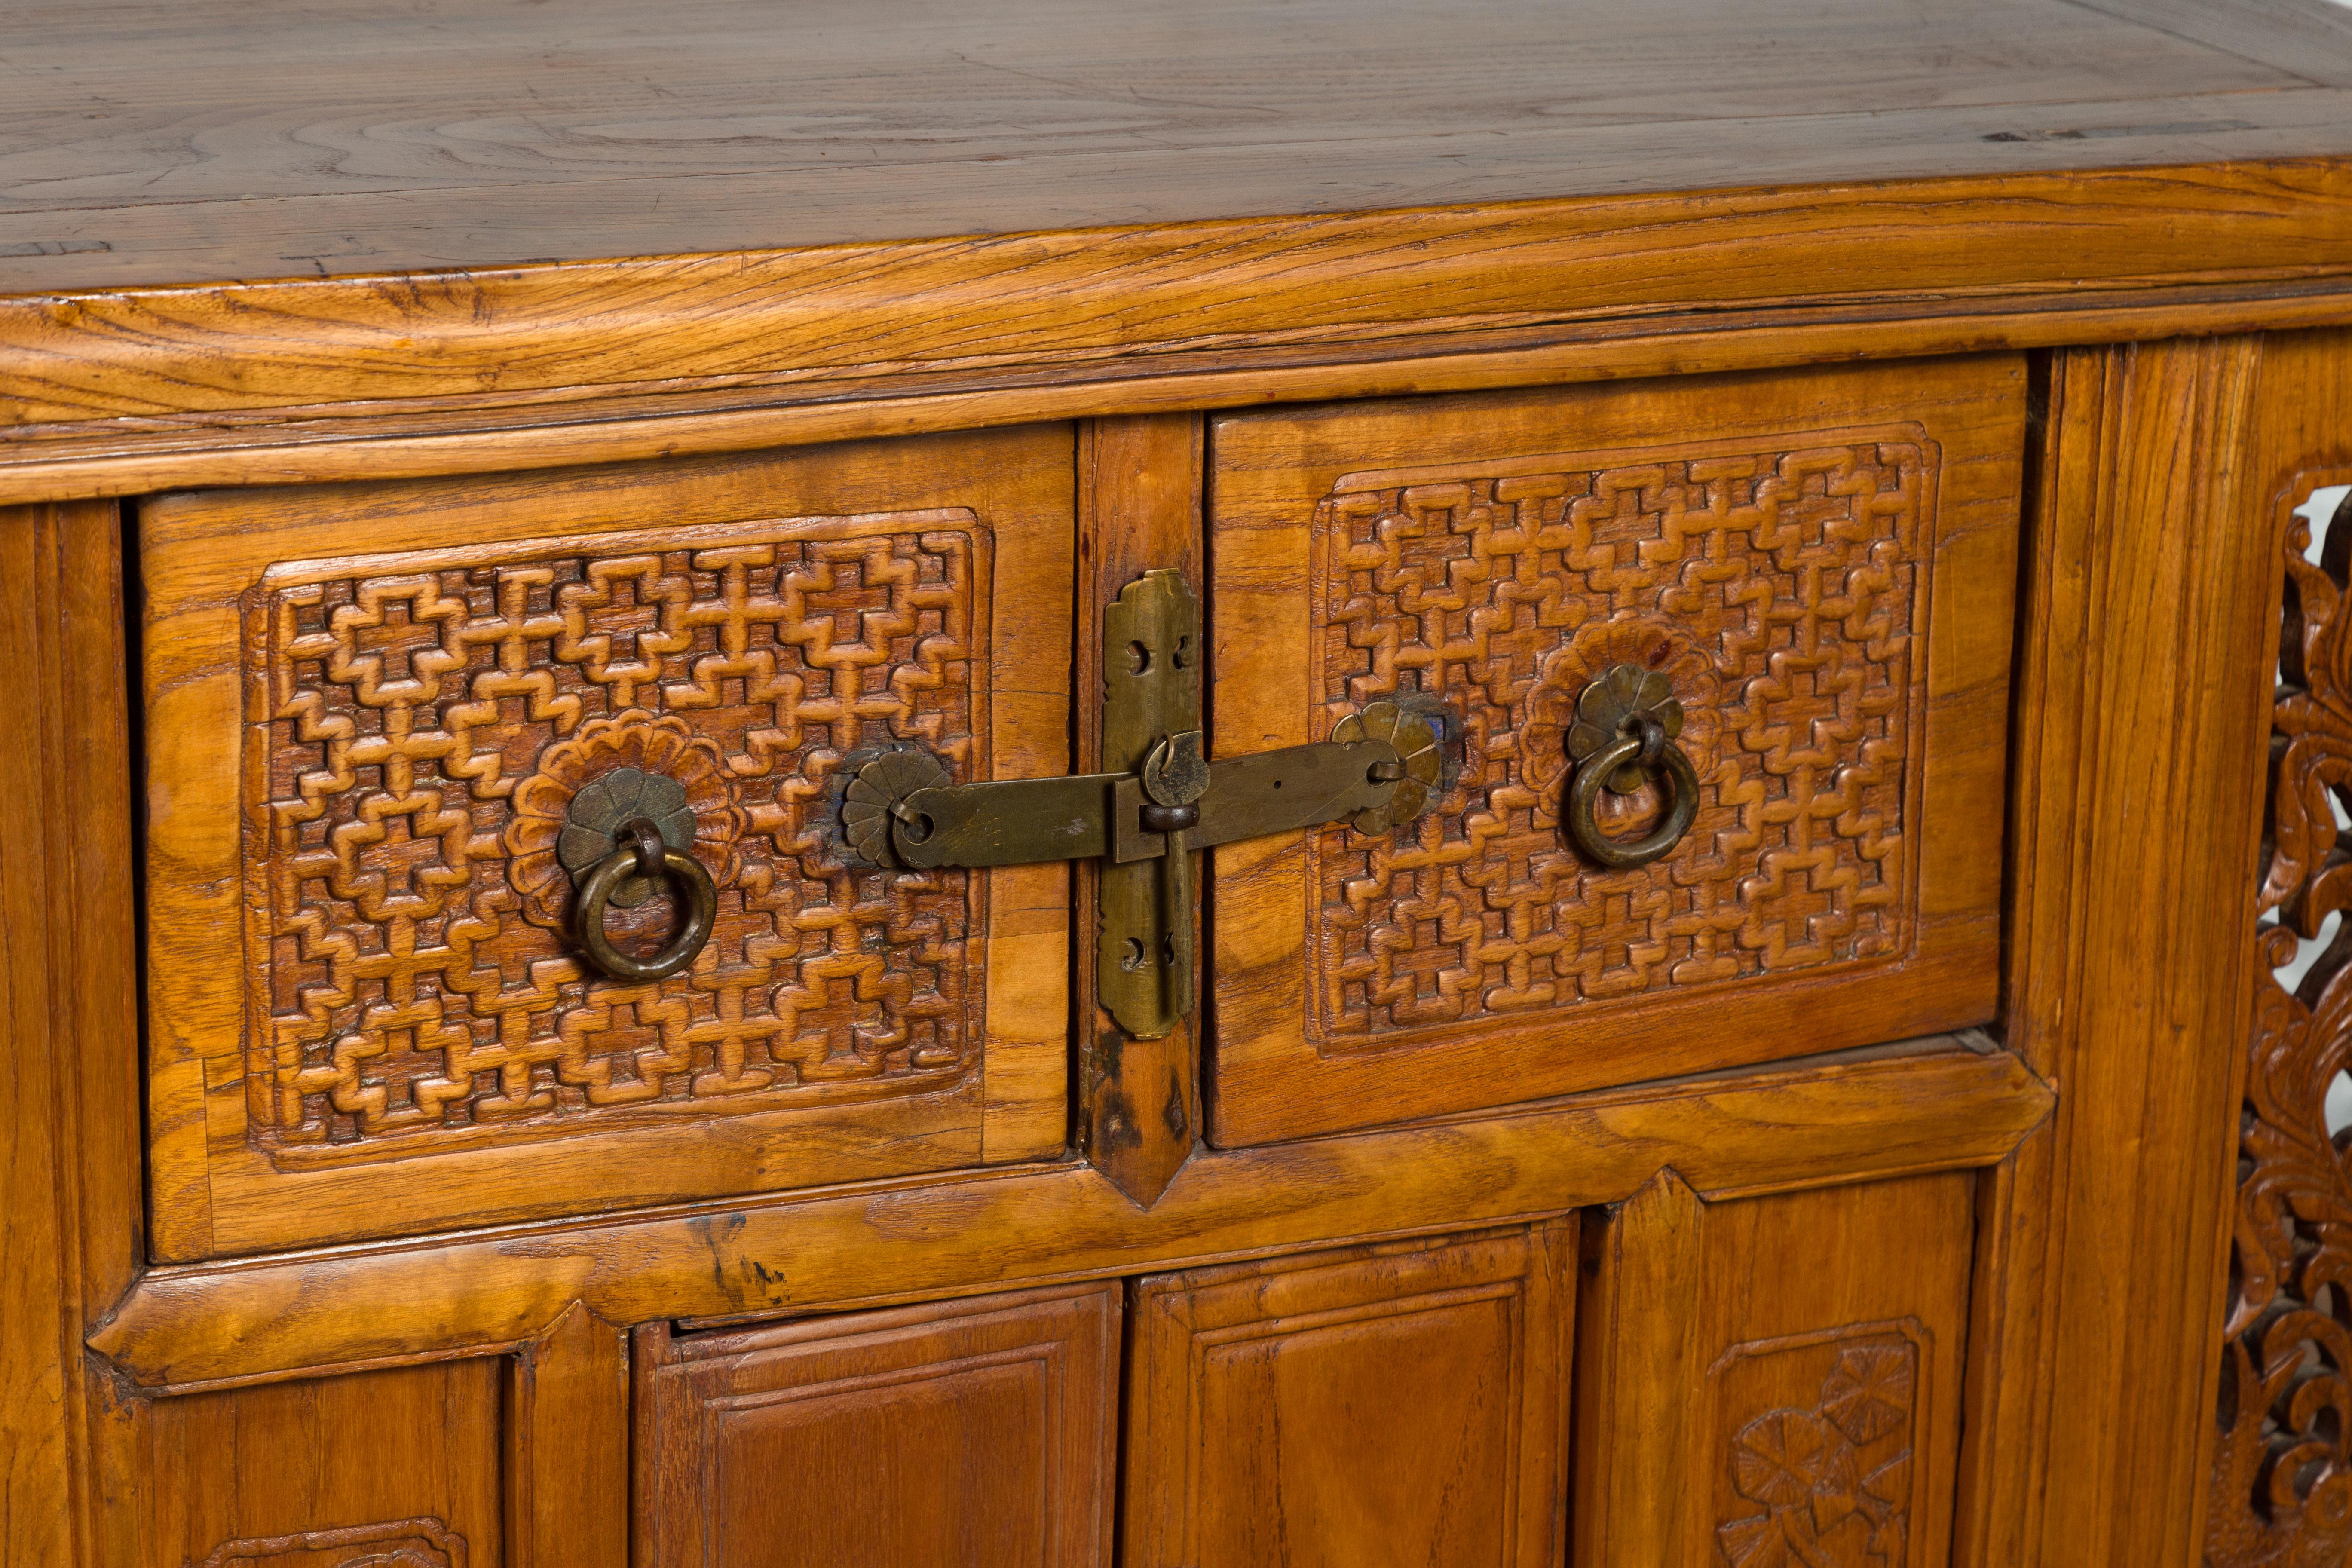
(1804, 581)
(405, 974)
(1780, 590)
(423, 730)
(2283, 1468)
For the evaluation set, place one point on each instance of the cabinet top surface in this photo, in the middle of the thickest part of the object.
(149, 145)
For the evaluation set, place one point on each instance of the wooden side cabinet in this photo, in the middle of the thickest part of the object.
(1236, 786)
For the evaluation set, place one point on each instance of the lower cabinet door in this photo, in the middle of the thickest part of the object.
(399, 1467)
(1772, 1381)
(1401, 1403)
(972, 1434)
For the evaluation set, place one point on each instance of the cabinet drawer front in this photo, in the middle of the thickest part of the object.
(1821, 567)
(372, 712)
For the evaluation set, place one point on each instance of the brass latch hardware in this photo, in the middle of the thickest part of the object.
(1380, 769)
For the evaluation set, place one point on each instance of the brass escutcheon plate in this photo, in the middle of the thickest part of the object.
(592, 824)
(1622, 693)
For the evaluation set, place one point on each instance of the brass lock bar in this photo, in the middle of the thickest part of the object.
(1018, 822)
(1144, 821)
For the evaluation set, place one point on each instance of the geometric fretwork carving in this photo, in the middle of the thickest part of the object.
(2282, 1478)
(419, 728)
(1781, 592)
(1829, 1485)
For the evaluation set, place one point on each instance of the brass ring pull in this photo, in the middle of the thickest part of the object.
(1649, 746)
(642, 853)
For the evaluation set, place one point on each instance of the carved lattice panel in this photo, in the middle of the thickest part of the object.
(2282, 1476)
(370, 711)
(1779, 590)
(425, 728)
(1819, 566)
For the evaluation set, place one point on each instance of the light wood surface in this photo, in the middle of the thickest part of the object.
(402, 1465)
(1936, 1106)
(212, 141)
(878, 1024)
(1779, 1380)
(2144, 689)
(118, 370)
(974, 1433)
(1379, 1408)
(1822, 565)
(71, 1236)
(566, 1458)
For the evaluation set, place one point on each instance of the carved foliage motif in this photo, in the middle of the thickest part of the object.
(1828, 1484)
(407, 1544)
(419, 732)
(1780, 592)
(2282, 1478)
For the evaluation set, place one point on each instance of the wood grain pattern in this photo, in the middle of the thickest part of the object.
(1937, 1105)
(974, 1434)
(1138, 510)
(69, 1233)
(1639, 1262)
(1830, 602)
(400, 1465)
(1782, 1382)
(347, 751)
(205, 143)
(503, 434)
(547, 343)
(2143, 693)
(2301, 39)
(566, 1457)
(2278, 1470)
(1385, 1405)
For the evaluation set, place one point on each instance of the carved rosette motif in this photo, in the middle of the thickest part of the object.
(422, 734)
(604, 747)
(1780, 592)
(1827, 1484)
(2281, 1477)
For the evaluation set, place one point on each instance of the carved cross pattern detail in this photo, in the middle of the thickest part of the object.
(421, 732)
(1779, 593)
(1834, 1481)
(2282, 1478)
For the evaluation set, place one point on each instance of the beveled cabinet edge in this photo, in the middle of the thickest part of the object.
(112, 392)
(1934, 1104)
